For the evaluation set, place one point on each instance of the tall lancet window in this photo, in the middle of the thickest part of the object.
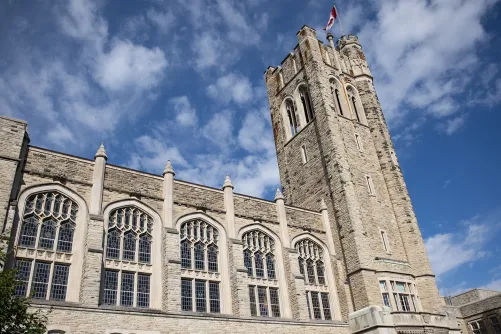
(200, 278)
(48, 226)
(291, 116)
(306, 103)
(356, 105)
(128, 247)
(311, 265)
(336, 95)
(259, 259)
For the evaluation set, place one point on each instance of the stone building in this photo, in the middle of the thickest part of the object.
(115, 250)
(478, 311)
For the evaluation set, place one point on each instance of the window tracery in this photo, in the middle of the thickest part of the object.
(48, 225)
(199, 253)
(306, 103)
(291, 116)
(127, 277)
(311, 265)
(336, 94)
(259, 259)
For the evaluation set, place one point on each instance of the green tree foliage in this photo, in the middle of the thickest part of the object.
(15, 316)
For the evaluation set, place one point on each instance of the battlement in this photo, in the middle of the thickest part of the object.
(347, 40)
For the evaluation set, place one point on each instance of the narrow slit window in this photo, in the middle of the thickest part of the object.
(359, 142)
(304, 156)
(370, 185)
(338, 100)
(354, 104)
(291, 117)
(384, 239)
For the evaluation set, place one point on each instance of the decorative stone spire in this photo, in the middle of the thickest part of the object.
(323, 206)
(101, 152)
(278, 195)
(227, 182)
(168, 169)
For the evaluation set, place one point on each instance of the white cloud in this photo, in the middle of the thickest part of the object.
(493, 285)
(448, 251)
(256, 134)
(422, 52)
(130, 66)
(60, 135)
(154, 155)
(184, 112)
(452, 125)
(162, 20)
(231, 87)
(219, 129)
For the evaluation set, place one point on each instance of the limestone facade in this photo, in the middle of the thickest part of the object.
(115, 250)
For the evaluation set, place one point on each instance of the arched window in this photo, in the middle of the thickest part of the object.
(306, 103)
(48, 225)
(199, 253)
(128, 240)
(355, 104)
(311, 265)
(291, 116)
(336, 90)
(259, 259)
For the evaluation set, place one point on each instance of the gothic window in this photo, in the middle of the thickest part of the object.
(259, 259)
(48, 225)
(370, 185)
(129, 239)
(336, 90)
(403, 293)
(199, 253)
(291, 116)
(478, 327)
(358, 141)
(384, 239)
(311, 265)
(306, 103)
(355, 103)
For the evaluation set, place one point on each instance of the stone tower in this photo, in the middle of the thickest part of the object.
(333, 144)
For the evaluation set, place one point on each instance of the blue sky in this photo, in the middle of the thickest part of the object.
(183, 80)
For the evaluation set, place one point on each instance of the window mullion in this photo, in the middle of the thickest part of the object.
(193, 296)
(265, 260)
(319, 296)
(56, 237)
(256, 298)
(30, 280)
(207, 297)
(270, 311)
(136, 253)
(206, 258)
(310, 300)
(253, 260)
(49, 283)
(192, 254)
(39, 229)
(315, 272)
(119, 288)
(134, 289)
(121, 250)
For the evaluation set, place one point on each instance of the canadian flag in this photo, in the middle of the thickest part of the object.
(332, 18)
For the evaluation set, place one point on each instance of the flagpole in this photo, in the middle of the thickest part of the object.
(339, 18)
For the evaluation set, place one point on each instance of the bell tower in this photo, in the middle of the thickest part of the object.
(333, 144)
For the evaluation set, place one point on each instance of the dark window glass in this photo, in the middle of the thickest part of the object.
(301, 266)
(199, 256)
(145, 248)
(127, 289)
(320, 273)
(354, 104)
(214, 297)
(29, 232)
(386, 300)
(326, 306)
(212, 258)
(65, 238)
(311, 272)
(404, 302)
(316, 305)
(23, 269)
(248, 262)
(186, 295)
(129, 252)
(263, 301)
(200, 296)
(143, 290)
(47, 235)
(113, 245)
(40, 280)
(274, 301)
(270, 266)
(110, 287)
(338, 102)
(185, 254)
(259, 265)
(252, 298)
(59, 282)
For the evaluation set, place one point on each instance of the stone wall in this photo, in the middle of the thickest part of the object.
(87, 320)
(472, 295)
